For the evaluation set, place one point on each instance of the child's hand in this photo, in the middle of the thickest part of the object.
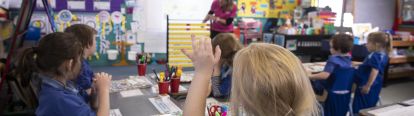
(366, 89)
(103, 81)
(202, 56)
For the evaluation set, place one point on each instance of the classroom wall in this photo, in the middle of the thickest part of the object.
(378, 12)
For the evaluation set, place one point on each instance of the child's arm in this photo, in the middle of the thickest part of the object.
(103, 83)
(203, 60)
(320, 76)
(371, 79)
(93, 97)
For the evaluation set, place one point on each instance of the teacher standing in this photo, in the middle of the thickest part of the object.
(222, 14)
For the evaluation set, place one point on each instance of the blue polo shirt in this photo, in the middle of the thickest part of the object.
(337, 61)
(55, 99)
(84, 80)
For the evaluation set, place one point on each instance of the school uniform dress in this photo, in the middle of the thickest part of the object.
(84, 80)
(221, 85)
(375, 60)
(217, 27)
(55, 99)
(338, 85)
(334, 61)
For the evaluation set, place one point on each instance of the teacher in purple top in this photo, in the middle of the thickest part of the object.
(222, 14)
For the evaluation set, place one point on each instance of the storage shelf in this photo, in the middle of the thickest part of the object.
(408, 73)
(401, 59)
(402, 43)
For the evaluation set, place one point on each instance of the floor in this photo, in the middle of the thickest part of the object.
(398, 89)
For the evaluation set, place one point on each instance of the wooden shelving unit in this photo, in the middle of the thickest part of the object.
(398, 60)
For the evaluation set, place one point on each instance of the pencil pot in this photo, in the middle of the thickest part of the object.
(175, 85)
(163, 87)
(142, 69)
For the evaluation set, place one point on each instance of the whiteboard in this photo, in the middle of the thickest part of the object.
(187, 9)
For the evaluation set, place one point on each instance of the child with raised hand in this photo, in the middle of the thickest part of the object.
(268, 80)
(369, 75)
(86, 36)
(56, 61)
(222, 73)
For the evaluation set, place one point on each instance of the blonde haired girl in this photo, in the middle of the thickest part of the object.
(268, 81)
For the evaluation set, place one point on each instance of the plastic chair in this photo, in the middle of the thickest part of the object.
(339, 86)
(249, 30)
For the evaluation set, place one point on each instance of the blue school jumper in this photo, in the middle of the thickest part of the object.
(58, 100)
(221, 86)
(338, 85)
(84, 80)
(376, 60)
(334, 61)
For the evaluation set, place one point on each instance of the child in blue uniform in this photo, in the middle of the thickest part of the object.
(369, 75)
(340, 46)
(338, 99)
(56, 61)
(86, 35)
(221, 79)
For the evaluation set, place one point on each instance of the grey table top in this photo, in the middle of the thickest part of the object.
(139, 105)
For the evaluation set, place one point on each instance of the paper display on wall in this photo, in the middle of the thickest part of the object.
(136, 48)
(265, 8)
(90, 20)
(76, 4)
(15, 3)
(39, 3)
(40, 20)
(102, 5)
(4, 3)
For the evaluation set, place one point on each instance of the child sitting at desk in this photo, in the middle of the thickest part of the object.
(369, 75)
(56, 61)
(86, 35)
(340, 46)
(268, 81)
(221, 79)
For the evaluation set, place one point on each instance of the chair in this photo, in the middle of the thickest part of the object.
(249, 30)
(339, 86)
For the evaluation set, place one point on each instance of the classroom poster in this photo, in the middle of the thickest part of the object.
(39, 3)
(4, 3)
(76, 4)
(41, 21)
(102, 4)
(265, 8)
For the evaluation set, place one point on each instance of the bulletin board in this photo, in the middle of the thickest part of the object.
(89, 16)
(265, 8)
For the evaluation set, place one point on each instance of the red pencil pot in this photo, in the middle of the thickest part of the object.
(163, 87)
(142, 69)
(175, 85)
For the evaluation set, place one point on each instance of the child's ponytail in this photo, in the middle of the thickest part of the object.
(27, 66)
(388, 44)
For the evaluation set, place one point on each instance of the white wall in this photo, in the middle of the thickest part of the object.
(378, 12)
(151, 15)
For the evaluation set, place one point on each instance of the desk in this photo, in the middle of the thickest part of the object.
(396, 109)
(316, 67)
(138, 105)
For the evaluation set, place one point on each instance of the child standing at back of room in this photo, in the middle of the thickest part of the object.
(337, 76)
(340, 46)
(86, 35)
(221, 79)
(369, 75)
